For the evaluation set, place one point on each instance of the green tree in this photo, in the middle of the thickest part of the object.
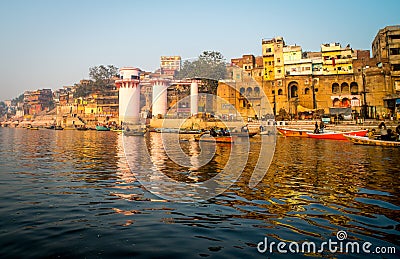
(101, 80)
(19, 99)
(102, 75)
(210, 67)
(210, 64)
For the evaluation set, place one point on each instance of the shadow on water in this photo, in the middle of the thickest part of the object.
(72, 194)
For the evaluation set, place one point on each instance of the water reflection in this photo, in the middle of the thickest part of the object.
(78, 190)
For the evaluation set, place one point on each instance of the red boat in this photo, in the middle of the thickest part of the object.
(337, 135)
(294, 132)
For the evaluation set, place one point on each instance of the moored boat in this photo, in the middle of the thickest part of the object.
(371, 142)
(217, 139)
(166, 130)
(33, 128)
(102, 128)
(134, 132)
(337, 135)
(294, 132)
(243, 134)
(82, 128)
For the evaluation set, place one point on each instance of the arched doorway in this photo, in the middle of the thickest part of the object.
(335, 88)
(293, 88)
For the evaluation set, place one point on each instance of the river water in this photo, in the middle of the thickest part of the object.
(71, 194)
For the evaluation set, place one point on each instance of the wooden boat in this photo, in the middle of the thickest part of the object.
(166, 130)
(102, 128)
(58, 128)
(82, 128)
(294, 132)
(371, 142)
(217, 139)
(32, 128)
(134, 132)
(243, 134)
(189, 131)
(117, 130)
(337, 135)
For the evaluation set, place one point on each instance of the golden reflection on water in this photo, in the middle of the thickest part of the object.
(311, 185)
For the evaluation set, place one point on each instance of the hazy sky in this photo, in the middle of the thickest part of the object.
(49, 44)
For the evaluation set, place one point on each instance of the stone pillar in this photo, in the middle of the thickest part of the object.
(194, 94)
(160, 98)
(129, 95)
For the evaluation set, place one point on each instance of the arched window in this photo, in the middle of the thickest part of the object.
(256, 91)
(280, 92)
(242, 90)
(336, 102)
(345, 88)
(249, 91)
(307, 90)
(346, 102)
(353, 88)
(335, 88)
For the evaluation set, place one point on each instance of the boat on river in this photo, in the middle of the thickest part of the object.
(337, 135)
(371, 142)
(217, 139)
(134, 132)
(287, 132)
(32, 128)
(102, 128)
(243, 134)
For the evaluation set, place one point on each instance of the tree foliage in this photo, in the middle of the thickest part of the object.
(210, 64)
(19, 99)
(101, 80)
(210, 67)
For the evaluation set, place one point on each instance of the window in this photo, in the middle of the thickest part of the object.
(307, 91)
(350, 68)
(278, 60)
(335, 88)
(279, 71)
(268, 50)
(280, 92)
(273, 92)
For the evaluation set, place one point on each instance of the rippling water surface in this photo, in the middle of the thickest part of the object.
(71, 194)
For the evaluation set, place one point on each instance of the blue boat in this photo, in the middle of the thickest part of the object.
(102, 128)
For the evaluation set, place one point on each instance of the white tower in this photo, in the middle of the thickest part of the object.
(129, 95)
(194, 93)
(160, 99)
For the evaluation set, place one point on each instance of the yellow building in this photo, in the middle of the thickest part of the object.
(268, 59)
(336, 60)
(272, 52)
